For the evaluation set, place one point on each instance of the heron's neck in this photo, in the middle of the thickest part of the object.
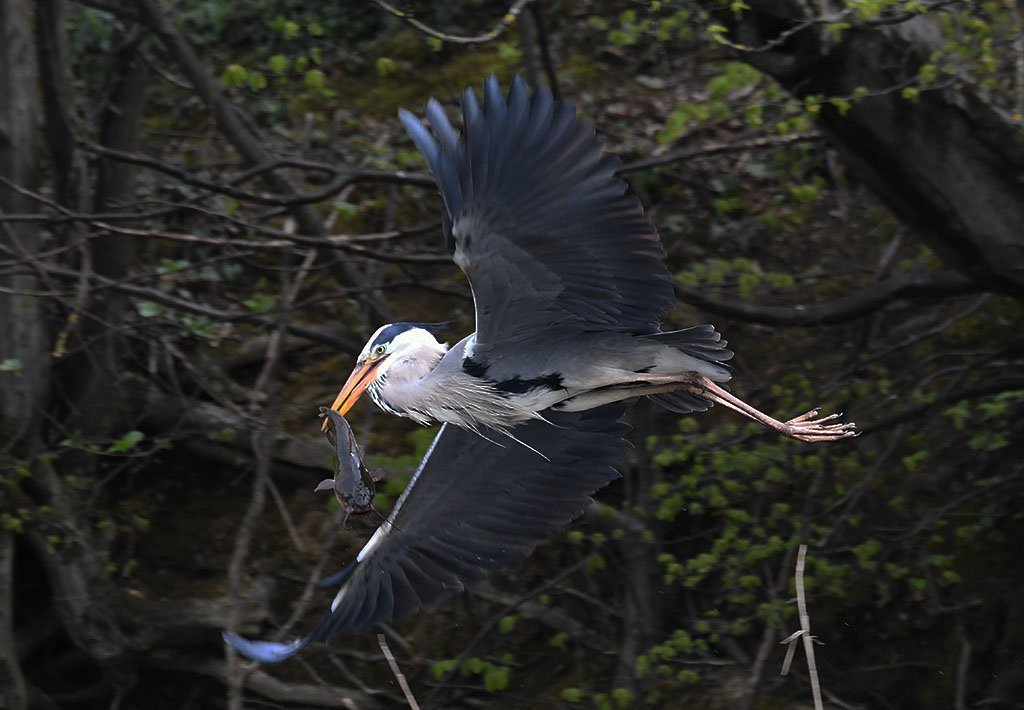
(416, 363)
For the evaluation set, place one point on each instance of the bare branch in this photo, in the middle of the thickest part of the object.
(503, 24)
(942, 284)
(983, 390)
(805, 632)
(310, 333)
(399, 676)
(716, 148)
(288, 197)
(268, 686)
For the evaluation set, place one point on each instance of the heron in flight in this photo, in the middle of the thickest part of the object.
(569, 286)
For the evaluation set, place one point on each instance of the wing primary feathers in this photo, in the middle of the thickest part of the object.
(265, 651)
(338, 577)
(421, 138)
(448, 136)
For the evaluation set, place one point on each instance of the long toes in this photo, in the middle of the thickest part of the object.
(829, 432)
(805, 416)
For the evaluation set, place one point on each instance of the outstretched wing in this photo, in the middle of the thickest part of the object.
(538, 220)
(472, 506)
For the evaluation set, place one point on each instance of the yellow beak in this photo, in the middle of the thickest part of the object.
(357, 382)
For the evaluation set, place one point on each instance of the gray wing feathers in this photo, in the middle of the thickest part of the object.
(538, 220)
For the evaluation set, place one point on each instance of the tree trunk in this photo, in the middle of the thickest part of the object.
(948, 164)
(24, 338)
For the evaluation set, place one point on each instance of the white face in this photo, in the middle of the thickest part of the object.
(368, 348)
(409, 345)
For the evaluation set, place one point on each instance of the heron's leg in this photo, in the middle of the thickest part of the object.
(806, 427)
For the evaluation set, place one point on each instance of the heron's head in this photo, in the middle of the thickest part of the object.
(399, 351)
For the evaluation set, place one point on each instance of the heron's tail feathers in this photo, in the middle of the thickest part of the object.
(705, 352)
(702, 342)
(681, 402)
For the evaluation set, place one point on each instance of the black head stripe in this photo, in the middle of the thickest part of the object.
(396, 329)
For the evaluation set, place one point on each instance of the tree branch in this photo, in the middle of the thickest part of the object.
(268, 686)
(318, 335)
(856, 305)
(503, 24)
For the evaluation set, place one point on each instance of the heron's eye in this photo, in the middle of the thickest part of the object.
(379, 350)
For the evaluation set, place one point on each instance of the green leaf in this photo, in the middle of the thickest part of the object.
(509, 53)
(385, 66)
(314, 79)
(279, 63)
(345, 208)
(257, 81)
(11, 364)
(10, 523)
(234, 75)
(441, 668)
(126, 442)
(260, 302)
(572, 695)
(623, 698)
(496, 678)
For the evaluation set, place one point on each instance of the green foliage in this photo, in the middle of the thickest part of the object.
(260, 302)
(126, 443)
(573, 695)
(508, 623)
(386, 66)
(495, 677)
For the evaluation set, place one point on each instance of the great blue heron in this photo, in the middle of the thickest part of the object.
(569, 285)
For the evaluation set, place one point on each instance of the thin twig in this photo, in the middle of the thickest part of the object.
(879, 295)
(503, 24)
(399, 676)
(963, 668)
(805, 632)
(709, 148)
(1018, 63)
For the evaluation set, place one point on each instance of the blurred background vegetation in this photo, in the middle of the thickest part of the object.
(207, 206)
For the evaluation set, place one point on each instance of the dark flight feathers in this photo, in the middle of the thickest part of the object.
(474, 506)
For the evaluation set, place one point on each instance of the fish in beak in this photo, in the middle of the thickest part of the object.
(352, 484)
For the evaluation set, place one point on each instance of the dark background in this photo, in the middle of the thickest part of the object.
(206, 207)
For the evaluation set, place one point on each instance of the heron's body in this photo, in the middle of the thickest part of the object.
(470, 389)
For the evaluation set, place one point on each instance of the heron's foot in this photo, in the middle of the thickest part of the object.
(808, 427)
